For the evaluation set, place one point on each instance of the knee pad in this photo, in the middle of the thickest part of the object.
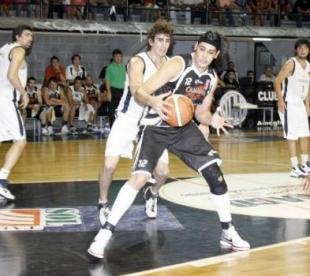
(215, 179)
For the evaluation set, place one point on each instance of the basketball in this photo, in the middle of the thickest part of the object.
(181, 110)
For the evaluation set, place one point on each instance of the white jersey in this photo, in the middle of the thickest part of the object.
(128, 104)
(295, 88)
(77, 95)
(7, 89)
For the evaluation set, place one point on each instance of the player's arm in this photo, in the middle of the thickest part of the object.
(285, 72)
(17, 57)
(169, 71)
(135, 74)
(40, 101)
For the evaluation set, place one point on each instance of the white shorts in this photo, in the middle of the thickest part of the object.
(85, 112)
(295, 121)
(11, 122)
(122, 136)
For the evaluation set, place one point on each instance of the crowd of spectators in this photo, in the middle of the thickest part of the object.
(70, 93)
(255, 12)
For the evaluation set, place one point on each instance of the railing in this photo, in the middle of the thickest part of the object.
(182, 15)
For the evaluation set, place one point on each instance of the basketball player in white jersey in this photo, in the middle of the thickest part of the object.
(125, 128)
(193, 76)
(13, 78)
(292, 89)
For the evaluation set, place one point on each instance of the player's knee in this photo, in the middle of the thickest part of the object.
(138, 180)
(21, 143)
(215, 179)
(161, 170)
(110, 166)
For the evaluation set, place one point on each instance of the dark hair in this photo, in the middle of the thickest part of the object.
(31, 78)
(74, 56)
(212, 38)
(54, 57)
(19, 30)
(77, 79)
(250, 71)
(302, 41)
(116, 52)
(50, 80)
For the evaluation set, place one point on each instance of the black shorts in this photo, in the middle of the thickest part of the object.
(186, 142)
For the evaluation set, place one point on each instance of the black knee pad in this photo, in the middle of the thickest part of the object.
(215, 179)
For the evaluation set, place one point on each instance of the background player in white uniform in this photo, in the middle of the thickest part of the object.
(292, 88)
(13, 77)
(193, 76)
(125, 128)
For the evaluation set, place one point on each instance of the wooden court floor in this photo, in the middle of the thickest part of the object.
(242, 153)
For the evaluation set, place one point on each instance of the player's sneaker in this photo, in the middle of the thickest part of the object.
(99, 243)
(230, 239)
(298, 172)
(50, 130)
(306, 167)
(45, 131)
(4, 192)
(64, 129)
(104, 211)
(150, 203)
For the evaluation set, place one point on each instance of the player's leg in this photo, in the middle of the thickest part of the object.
(303, 134)
(151, 192)
(149, 151)
(304, 150)
(198, 154)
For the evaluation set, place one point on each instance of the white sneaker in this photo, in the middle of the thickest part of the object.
(150, 203)
(306, 167)
(45, 131)
(99, 243)
(64, 129)
(298, 172)
(104, 211)
(50, 130)
(4, 192)
(230, 239)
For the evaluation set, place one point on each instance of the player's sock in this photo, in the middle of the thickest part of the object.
(4, 173)
(304, 158)
(222, 205)
(294, 161)
(123, 201)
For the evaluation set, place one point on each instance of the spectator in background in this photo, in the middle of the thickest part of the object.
(115, 80)
(230, 67)
(75, 69)
(57, 7)
(230, 81)
(56, 72)
(77, 8)
(256, 7)
(55, 105)
(268, 75)
(35, 100)
(92, 97)
(5, 6)
(301, 12)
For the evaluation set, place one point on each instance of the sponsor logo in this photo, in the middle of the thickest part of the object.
(267, 195)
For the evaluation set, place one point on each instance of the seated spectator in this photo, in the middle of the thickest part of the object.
(118, 7)
(227, 7)
(5, 6)
(55, 105)
(301, 12)
(55, 6)
(92, 97)
(230, 81)
(272, 8)
(35, 100)
(248, 85)
(78, 106)
(77, 9)
(75, 69)
(230, 67)
(255, 8)
(56, 72)
(267, 76)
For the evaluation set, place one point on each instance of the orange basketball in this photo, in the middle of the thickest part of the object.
(181, 111)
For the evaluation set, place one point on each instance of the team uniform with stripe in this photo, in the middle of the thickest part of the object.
(295, 90)
(11, 123)
(187, 142)
(125, 128)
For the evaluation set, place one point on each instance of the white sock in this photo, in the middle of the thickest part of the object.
(304, 158)
(222, 205)
(123, 201)
(294, 161)
(4, 173)
(100, 201)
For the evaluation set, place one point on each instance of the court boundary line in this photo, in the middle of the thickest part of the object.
(219, 259)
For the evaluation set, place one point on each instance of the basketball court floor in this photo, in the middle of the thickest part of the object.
(50, 226)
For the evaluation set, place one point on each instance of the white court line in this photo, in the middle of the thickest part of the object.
(222, 258)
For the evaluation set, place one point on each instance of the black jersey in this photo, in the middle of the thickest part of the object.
(190, 82)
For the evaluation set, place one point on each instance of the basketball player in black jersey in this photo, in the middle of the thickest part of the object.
(193, 76)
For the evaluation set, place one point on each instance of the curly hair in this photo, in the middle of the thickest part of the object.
(161, 26)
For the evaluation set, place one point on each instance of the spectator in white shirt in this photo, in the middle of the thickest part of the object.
(267, 75)
(75, 69)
